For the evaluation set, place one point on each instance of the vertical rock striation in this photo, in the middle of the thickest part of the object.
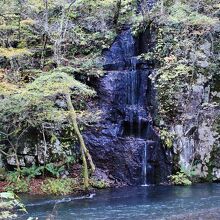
(124, 142)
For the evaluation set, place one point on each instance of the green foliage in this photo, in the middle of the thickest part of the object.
(10, 204)
(168, 91)
(167, 138)
(13, 176)
(54, 170)
(22, 173)
(31, 172)
(183, 177)
(55, 83)
(217, 125)
(180, 178)
(182, 28)
(183, 13)
(70, 160)
(86, 67)
(99, 184)
(13, 52)
(18, 183)
(35, 171)
(35, 104)
(20, 186)
(7, 88)
(128, 13)
(96, 30)
(58, 186)
(188, 171)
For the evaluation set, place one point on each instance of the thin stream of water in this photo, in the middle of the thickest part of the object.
(145, 166)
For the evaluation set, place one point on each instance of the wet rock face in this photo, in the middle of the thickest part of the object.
(117, 143)
(118, 56)
(196, 139)
(196, 142)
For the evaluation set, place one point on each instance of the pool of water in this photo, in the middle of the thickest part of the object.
(152, 202)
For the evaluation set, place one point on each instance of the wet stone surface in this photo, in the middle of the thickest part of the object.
(126, 131)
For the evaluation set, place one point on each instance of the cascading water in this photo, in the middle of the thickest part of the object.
(136, 107)
(135, 92)
(132, 93)
(131, 99)
(145, 166)
(125, 142)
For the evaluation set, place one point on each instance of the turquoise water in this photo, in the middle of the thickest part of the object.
(152, 202)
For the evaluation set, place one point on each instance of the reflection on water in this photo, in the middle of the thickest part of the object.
(153, 202)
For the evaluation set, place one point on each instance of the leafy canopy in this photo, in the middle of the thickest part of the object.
(35, 103)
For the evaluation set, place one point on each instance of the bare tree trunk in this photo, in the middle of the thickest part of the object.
(15, 151)
(64, 20)
(45, 38)
(19, 19)
(162, 7)
(59, 41)
(46, 16)
(117, 13)
(45, 34)
(19, 27)
(84, 151)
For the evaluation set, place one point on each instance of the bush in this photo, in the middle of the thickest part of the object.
(10, 204)
(13, 176)
(182, 13)
(32, 172)
(180, 178)
(58, 186)
(99, 184)
(20, 186)
(52, 169)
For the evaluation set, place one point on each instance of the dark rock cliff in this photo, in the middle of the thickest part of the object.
(125, 142)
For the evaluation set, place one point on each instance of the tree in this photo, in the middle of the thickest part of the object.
(35, 104)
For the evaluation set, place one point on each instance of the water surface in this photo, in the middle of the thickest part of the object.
(152, 202)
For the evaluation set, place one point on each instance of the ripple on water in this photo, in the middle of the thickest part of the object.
(136, 203)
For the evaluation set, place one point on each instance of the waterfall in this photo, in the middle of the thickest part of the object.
(134, 84)
(136, 109)
(134, 102)
(128, 130)
(147, 167)
(144, 166)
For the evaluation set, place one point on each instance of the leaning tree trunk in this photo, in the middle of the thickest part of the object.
(84, 151)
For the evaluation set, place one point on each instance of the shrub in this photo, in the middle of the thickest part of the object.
(52, 169)
(10, 204)
(167, 138)
(182, 13)
(13, 52)
(58, 186)
(19, 186)
(180, 178)
(99, 184)
(32, 172)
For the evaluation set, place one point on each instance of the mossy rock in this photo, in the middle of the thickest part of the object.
(99, 184)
